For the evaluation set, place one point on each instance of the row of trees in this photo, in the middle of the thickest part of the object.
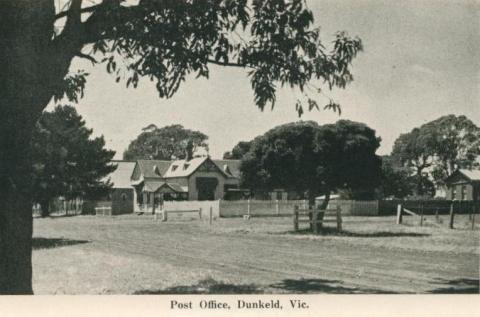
(67, 161)
(290, 157)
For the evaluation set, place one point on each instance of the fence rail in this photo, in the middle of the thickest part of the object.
(316, 218)
(421, 215)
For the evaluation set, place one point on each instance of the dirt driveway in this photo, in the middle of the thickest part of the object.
(135, 254)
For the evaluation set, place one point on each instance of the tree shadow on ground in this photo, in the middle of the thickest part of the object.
(292, 286)
(49, 243)
(207, 286)
(306, 286)
(344, 233)
(458, 286)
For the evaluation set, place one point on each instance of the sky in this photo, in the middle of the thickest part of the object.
(420, 62)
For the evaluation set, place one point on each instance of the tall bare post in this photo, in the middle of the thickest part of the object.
(295, 218)
(436, 215)
(314, 221)
(200, 212)
(248, 206)
(452, 215)
(211, 216)
(339, 218)
(164, 215)
(277, 208)
(399, 214)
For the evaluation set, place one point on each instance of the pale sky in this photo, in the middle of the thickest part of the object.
(420, 62)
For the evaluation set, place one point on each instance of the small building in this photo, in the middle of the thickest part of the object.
(120, 199)
(198, 178)
(463, 185)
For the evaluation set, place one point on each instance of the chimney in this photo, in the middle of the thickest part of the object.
(189, 151)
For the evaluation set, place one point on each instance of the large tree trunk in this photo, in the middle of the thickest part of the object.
(29, 71)
(15, 207)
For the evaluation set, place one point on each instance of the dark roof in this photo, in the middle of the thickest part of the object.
(149, 168)
(230, 167)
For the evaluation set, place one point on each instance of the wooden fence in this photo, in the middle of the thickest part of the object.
(420, 215)
(166, 212)
(316, 218)
(356, 207)
(259, 208)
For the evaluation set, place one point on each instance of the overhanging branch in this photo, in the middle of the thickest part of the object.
(86, 56)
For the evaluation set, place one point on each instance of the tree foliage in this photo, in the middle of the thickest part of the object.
(436, 149)
(168, 40)
(238, 151)
(304, 156)
(166, 143)
(67, 160)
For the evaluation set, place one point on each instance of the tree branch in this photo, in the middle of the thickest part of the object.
(227, 64)
(86, 56)
(64, 14)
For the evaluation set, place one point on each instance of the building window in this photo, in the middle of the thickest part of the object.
(185, 166)
(174, 167)
(124, 197)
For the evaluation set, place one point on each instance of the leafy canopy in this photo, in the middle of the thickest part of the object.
(67, 161)
(304, 156)
(238, 151)
(166, 143)
(168, 40)
(437, 148)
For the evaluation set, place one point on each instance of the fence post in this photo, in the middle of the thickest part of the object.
(339, 218)
(248, 206)
(473, 216)
(295, 218)
(314, 221)
(452, 215)
(164, 215)
(211, 216)
(277, 210)
(436, 215)
(399, 214)
(421, 214)
(200, 213)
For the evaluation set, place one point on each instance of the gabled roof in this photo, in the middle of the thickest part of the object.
(153, 186)
(230, 167)
(473, 175)
(120, 178)
(184, 168)
(153, 168)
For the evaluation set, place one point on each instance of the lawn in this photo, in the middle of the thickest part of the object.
(137, 255)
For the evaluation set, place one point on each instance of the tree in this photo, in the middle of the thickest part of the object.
(434, 150)
(456, 145)
(165, 41)
(396, 181)
(166, 143)
(67, 161)
(304, 156)
(238, 151)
